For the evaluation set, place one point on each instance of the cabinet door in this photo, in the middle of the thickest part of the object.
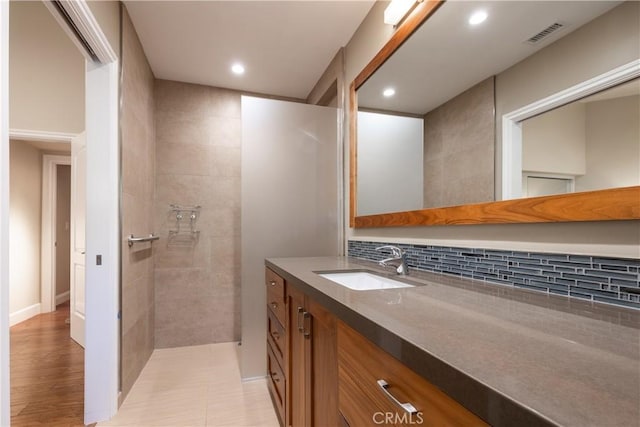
(298, 393)
(324, 366)
(364, 401)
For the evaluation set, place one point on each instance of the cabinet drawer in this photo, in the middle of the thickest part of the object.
(275, 335)
(363, 401)
(275, 285)
(276, 382)
(276, 295)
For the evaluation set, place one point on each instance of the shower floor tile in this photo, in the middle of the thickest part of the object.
(195, 386)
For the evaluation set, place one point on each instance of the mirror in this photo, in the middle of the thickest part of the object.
(590, 144)
(429, 127)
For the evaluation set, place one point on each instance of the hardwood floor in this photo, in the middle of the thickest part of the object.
(47, 372)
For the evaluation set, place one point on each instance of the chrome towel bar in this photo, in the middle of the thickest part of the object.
(131, 240)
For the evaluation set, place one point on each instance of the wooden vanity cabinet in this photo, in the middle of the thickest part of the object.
(366, 401)
(277, 342)
(313, 368)
(324, 373)
(302, 359)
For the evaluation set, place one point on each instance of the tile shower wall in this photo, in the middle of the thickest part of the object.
(197, 278)
(459, 149)
(609, 280)
(138, 176)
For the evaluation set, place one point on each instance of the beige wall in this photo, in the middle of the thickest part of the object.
(63, 222)
(138, 184)
(613, 144)
(603, 44)
(616, 238)
(198, 151)
(46, 72)
(25, 216)
(458, 149)
(368, 39)
(555, 142)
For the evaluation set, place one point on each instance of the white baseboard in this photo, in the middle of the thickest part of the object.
(24, 314)
(63, 297)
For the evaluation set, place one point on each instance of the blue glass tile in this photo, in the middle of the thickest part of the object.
(617, 301)
(580, 276)
(626, 276)
(629, 283)
(613, 267)
(616, 261)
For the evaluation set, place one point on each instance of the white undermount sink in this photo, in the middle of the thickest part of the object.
(363, 281)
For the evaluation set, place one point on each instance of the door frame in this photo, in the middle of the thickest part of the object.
(48, 255)
(5, 412)
(103, 231)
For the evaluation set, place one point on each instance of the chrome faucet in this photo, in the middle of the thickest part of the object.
(398, 260)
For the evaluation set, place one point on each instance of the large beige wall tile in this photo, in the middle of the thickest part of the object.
(191, 159)
(197, 276)
(177, 127)
(177, 97)
(225, 103)
(224, 131)
(138, 186)
(459, 149)
(225, 161)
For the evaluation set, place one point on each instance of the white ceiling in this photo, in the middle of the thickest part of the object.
(447, 56)
(284, 45)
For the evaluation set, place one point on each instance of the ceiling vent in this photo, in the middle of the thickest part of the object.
(542, 35)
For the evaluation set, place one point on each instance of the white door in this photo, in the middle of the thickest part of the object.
(78, 242)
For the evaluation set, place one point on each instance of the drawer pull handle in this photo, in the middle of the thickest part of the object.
(275, 335)
(274, 377)
(300, 321)
(408, 407)
(272, 283)
(306, 332)
(274, 305)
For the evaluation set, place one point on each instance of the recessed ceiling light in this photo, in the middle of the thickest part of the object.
(237, 69)
(478, 17)
(389, 92)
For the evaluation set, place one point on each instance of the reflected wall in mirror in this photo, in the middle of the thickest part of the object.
(589, 144)
(458, 79)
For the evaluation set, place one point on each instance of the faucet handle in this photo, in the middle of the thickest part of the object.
(397, 252)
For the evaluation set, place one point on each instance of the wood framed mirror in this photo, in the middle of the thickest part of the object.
(578, 203)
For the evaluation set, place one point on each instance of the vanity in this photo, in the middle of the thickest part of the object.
(446, 351)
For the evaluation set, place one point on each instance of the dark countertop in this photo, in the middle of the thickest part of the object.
(511, 356)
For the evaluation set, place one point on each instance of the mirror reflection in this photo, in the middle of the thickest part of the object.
(589, 144)
(429, 119)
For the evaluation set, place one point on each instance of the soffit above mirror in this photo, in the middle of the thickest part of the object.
(425, 72)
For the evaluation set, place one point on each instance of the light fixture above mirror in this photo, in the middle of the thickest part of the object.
(397, 10)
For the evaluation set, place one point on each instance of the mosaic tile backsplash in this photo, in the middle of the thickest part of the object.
(609, 280)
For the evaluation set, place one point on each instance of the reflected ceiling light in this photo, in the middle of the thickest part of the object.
(388, 92)
(397, 10)
(478, 17)
(237, 68)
